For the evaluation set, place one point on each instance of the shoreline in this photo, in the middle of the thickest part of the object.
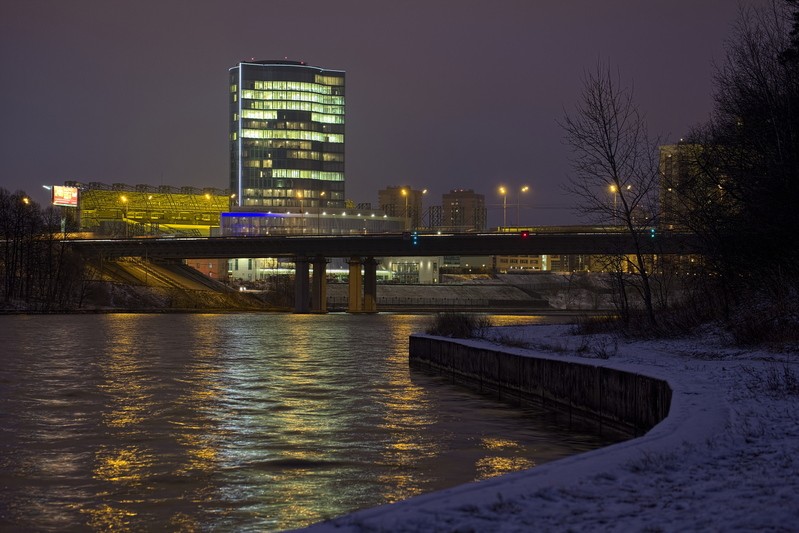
(397, 310)
(720, 460)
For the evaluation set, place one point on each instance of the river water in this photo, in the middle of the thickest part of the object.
(239, 422)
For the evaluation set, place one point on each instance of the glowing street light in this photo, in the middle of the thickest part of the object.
(504, 192)
(124, 200)
(524, 188)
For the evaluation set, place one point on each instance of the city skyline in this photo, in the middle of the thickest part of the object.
(440, 96)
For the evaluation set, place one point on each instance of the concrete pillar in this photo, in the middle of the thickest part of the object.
(319, 285)
(370, 285)
(355, 286)
(301, 285)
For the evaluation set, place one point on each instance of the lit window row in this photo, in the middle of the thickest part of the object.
(292, 96)
(256, 163)
(290, 193)
(294, 86)
(327, 119)
(303, 154)
(329, 80)
(293, 134)
(307, 174)
(296, 154)
(294, 145)
(295, 106)
(304, 194)
(288, 125)
(254, 113)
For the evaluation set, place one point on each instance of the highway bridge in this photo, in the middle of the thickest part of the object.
(307, 250)
(387, 244)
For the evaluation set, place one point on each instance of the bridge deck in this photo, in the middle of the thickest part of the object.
(383, 245)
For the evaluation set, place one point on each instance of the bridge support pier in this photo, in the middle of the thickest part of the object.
(354, 304)
(363, 286)
(319, 285)
(370, 285)
(301, 285)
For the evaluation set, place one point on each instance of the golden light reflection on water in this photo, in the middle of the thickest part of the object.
(498, 463)
(406, 417)
(109, 518)
(488, 467)
(127, 465)
(129, 400)
(249, 422)
(200, 434)
(137, 401)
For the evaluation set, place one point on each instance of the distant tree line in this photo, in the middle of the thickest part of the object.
(743, 193)
(740, 196)
(36, 270)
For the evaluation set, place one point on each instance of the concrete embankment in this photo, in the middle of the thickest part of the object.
(617, 400)
(479, 297)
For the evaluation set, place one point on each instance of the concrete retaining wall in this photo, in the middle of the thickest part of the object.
(616, 400)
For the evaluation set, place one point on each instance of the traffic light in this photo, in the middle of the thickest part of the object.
(525, 234)
(415, 238)
(652, 233)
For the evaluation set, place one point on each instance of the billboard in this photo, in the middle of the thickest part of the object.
(67, 196)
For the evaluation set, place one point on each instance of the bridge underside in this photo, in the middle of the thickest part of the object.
(312, 251)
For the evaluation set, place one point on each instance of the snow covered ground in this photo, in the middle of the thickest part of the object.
(725, 459)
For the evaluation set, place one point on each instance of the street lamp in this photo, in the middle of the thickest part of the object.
(124, 200)
(504, 192)
(302, 213)
(407, 219)
(524, 188)
(318, 212)
(615, 191)
(421, 211)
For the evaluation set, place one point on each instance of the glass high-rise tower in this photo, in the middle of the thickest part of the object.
(286, 135)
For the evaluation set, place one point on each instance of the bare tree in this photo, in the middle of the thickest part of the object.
(615, 166)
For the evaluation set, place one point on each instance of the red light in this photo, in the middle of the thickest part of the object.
(525, 234)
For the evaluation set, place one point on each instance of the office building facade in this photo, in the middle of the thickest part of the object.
(286, 136)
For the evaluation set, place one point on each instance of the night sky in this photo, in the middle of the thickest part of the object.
(440, 94)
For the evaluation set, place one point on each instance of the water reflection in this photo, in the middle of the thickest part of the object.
(236, 422)
(498, 461)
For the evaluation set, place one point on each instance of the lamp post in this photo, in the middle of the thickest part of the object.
(524, 188)
(124, 200)
(614, 190)
(504, 192)
(318, 213)
(300, 197)
(407, 219)
(421, 210)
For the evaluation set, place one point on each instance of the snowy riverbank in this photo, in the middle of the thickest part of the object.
(726, 457)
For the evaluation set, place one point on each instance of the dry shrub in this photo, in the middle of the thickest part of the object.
(458, 325)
